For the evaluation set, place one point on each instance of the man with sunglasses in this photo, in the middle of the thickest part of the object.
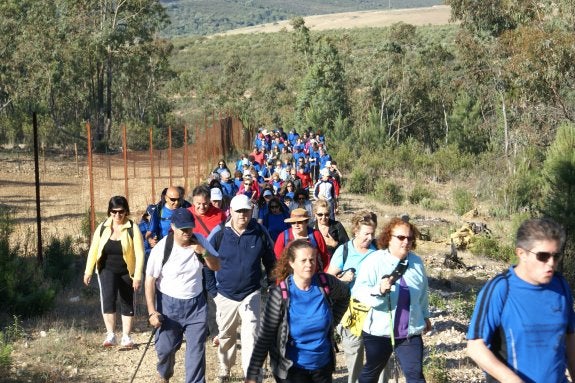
(161, 219)
(522, 328)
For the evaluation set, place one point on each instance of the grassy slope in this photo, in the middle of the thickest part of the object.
(202, 17)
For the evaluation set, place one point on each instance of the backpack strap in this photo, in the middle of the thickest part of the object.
(345, 253)
(168, 247)
(311, 238)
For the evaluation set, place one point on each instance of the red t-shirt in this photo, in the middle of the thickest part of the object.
(321, 246)
(211, 219)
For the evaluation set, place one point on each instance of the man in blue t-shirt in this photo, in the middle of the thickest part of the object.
(522, 328)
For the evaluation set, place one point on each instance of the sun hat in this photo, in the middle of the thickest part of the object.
(297, 215)
(182, 218)
(240, 202)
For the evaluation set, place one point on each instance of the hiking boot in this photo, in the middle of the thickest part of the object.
(161, 379)
(127, 341)
(110, 340)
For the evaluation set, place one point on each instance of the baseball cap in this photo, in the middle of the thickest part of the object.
(182, 218)
(215, 194)
(268, 192)
(324, 172)
(297, 215)
(240, 202)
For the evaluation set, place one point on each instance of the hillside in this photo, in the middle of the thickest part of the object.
(203, 17)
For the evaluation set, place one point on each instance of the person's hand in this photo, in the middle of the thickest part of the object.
(152, 241)
(136, 284)
(87, 279)
(385, 285)
(156, 320)
(329, 240)
(348, 276)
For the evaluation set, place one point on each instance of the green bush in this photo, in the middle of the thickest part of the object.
(388, 192)
(59, 261)
(462, 200)
(435, 367)
(490, 248)
(360, 182)
(433, 204)
(418, 193)
(23, 289)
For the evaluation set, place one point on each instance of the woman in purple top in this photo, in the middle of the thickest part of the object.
(393, 282)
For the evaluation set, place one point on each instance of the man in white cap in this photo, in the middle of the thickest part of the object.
(175, 299)
(243, 245)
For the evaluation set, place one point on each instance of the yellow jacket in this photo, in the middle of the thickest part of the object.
(132, 249)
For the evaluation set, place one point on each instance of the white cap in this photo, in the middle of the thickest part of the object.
(239, 202)
(327, 164)
(268, 192)
(215, 194)
(324, 172)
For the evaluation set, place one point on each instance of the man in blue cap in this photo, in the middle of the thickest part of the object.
(175, 297)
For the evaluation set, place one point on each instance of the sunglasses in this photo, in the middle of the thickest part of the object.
(248, 183)
(403, 238)
(174, 199)
(543, 256)
(121, 212)
(301, 199)
(274, 207)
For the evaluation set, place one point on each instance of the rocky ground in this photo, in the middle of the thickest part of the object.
(65, 344)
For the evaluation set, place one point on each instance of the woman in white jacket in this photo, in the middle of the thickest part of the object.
(394, 283)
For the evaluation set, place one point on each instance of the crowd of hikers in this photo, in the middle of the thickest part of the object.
(258, 252)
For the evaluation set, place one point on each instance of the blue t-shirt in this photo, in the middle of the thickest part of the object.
(309, 345)
(275, 224)
(354, 258)
(533, 321)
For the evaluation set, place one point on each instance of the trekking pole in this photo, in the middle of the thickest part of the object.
(160, 318)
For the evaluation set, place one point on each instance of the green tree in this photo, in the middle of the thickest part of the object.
(323, 99)
(559, 176)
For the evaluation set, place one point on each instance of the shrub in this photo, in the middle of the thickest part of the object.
(23, 290)
(360, 182)
(490, 248)
(435, 367)
(462, 200)
(418, 193)
(59, 261)
(433, 204)
(388, 192)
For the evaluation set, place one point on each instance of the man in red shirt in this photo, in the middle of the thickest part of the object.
(206, 215)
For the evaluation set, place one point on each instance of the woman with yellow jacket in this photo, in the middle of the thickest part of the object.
(117, 254)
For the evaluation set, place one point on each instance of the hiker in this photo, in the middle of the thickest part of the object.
(324, 189)
(394, 279)
(243, 246)
(206, 215)
(332, 231)
(117, 255)
(274, 217)
(175, 298)
(222, 167)
(160, 220)
(301, 200)
(301, 350)
(299, 220)
(345, 263)
(522, 328)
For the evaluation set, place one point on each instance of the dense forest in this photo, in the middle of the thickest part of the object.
(487, 102)
(202, 17)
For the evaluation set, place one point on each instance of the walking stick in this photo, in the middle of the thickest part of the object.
(145, 349)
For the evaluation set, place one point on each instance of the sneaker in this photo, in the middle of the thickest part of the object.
(110, 340)
(127, 341)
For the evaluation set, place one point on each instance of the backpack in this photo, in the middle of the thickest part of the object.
(130, 229)
(310, 237)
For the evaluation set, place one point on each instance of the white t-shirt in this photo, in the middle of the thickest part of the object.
(181, 276)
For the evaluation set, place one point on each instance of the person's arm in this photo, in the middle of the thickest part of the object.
(267, 334)
(153, 315)
(92, 255)
(488, 362)
(138, 244)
